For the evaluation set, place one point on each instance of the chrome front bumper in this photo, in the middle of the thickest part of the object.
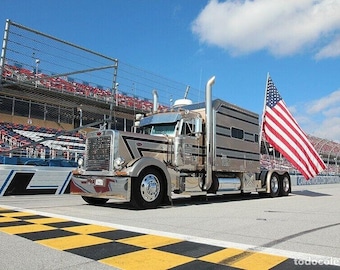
(110, 187)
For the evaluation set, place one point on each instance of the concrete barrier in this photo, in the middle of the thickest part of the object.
(30, 180)
(299, 180)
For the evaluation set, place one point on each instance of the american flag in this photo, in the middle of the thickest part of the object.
(281, 130)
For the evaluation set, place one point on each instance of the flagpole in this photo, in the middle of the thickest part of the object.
(263, 111)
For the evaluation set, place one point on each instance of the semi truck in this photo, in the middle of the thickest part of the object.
(192, 149)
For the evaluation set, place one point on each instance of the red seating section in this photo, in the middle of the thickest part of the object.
(62, 84)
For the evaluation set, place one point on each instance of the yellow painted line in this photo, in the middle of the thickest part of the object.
(149, 241)
(222, 256)
(259, 261)
(8, 219)
(75, 241)
(47, 220)
(26, 228)
(87, 229)
(146, 259)
(244, 259)
(17, 214)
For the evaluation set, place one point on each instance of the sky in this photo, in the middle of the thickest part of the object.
(189, 41)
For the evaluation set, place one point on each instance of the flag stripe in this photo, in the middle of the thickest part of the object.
(282, 131)
(301, 135)
(298, 137)
(288, 147)
(280, 146)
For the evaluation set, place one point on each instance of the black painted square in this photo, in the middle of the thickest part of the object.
(28, 217)
(14, 223)
(102, 251)
(6, 211)
(66, 224)
(190, 249)
(35, 236)
(116, 234)
(201, 265)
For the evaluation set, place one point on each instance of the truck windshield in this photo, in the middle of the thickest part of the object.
(163, 129)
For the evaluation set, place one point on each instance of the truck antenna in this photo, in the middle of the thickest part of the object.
(186, 92)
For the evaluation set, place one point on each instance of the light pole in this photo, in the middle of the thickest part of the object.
(37, 61)
(80, 110)
(116, 93)
(114, 98)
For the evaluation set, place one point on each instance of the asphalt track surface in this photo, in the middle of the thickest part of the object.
(301, 231)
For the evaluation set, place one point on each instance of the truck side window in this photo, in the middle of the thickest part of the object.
(237, 133)
(188, 129)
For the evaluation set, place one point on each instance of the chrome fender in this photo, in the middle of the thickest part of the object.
(136, 166)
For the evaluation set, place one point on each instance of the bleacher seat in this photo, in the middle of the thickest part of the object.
(77, 88)
(22, 136)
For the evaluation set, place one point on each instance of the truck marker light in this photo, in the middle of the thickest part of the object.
(121, 173)
(76, 172)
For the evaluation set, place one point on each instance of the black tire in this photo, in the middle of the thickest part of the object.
(274, 185)
(147, 189)
(94, 201)
(285, 185)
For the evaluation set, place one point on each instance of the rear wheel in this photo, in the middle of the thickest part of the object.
(94, 201)
(274, 185)
(285, 185)
(147, 189)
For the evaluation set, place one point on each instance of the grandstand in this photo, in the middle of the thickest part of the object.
(327, 149)
(52, 92)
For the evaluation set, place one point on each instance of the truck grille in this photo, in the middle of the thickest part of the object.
(98, 153)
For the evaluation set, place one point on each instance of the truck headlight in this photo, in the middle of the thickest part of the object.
(118, 163)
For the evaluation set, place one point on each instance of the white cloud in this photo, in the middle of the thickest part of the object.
(320, 117)
(330, 50)
(324, 103)
(283, 27)
(329, 128)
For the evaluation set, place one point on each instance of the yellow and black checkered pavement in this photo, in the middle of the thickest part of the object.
(130, 250)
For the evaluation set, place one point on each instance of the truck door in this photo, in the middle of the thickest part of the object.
(190, 142)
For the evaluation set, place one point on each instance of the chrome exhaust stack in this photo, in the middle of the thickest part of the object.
(209, 134)
(155, 101)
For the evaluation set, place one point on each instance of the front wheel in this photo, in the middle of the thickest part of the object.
(94, 201)
(147, 189)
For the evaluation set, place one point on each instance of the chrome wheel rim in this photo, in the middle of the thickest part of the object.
(274, 184)
(285, 184)
(150, 188)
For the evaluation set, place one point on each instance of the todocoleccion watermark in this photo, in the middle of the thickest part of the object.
(317, 261)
